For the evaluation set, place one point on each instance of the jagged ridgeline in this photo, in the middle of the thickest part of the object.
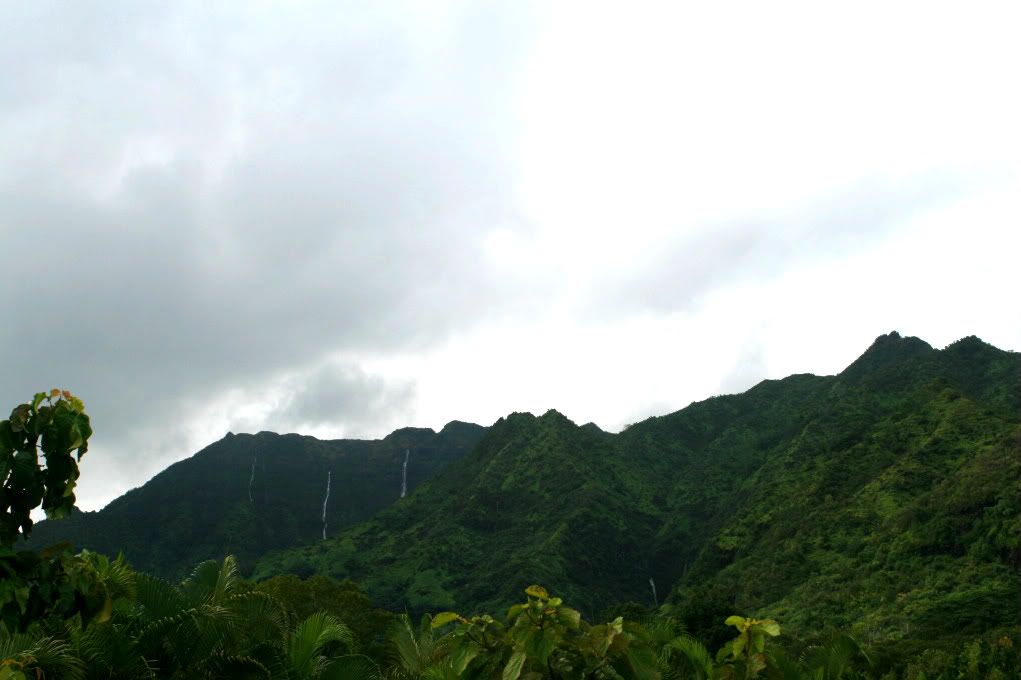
(882, 500)
(248, 494)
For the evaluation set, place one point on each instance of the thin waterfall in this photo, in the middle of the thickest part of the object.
(404, 474)
(654, 598)
(326, 499)
(251, 481)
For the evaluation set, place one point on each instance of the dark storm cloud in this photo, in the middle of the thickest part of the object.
(194, 200)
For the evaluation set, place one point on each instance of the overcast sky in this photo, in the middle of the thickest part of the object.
(343, 218)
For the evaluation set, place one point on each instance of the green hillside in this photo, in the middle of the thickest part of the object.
(248, 494)
(884, 498)
(895, 513)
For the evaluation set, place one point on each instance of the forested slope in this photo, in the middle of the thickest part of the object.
(884, 498)
(247, 494)
(895, 513)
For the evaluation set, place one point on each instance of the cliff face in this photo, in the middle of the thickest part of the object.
(248, 494)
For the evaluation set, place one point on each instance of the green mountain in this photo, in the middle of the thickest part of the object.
(248, 494)
(896, 511)
(883, 499)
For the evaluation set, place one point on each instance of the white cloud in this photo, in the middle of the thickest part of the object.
(252, 216)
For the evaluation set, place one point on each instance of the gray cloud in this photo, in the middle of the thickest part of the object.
(196, 199)
(202, 199)
(338, 393)
(678, 275)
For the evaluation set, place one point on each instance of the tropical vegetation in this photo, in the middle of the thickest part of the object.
(873, 517)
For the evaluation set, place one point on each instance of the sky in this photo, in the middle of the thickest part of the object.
(341, 218)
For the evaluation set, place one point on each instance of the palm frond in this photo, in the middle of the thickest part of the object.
(201, 585)
(43, 656)
(351, 667)
(415, 651)
(837, 658)
(306, 644)
(686, 654)
(158, 598)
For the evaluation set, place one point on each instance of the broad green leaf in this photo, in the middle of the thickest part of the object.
(7, 437)
(463, 656)
(537, 591)
(771, 627)
(758, 641)
(538, 645)
(513, 668)
(735, 621)
(443, 618)
(106, 612)
(569, 617)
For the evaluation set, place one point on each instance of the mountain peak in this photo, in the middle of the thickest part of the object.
(409, 432)
(886, 350)
(458, 425)
(556, 418)
(969, 345)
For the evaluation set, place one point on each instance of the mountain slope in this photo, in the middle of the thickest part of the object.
(247, 494)
(792, 497)
(895, 514)
(595, 515)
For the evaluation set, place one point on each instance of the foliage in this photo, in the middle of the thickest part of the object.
(301, 598)
(875, 513)
(745, 655)
(212, 624)
(52, 582)
(57, 419)
(215, 624)
(544, 638)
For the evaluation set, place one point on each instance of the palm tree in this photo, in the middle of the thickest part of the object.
(839, 657)
(319, 648)
(686, 657)
(208, 625)
(417, 654)
(32, 654)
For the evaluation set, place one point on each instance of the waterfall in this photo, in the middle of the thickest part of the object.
(326, 499)
(654, 598)
(404, 474)
(251, 481)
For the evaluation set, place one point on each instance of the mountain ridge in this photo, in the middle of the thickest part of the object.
(730, 501)
(218, 500)
(674, 498)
